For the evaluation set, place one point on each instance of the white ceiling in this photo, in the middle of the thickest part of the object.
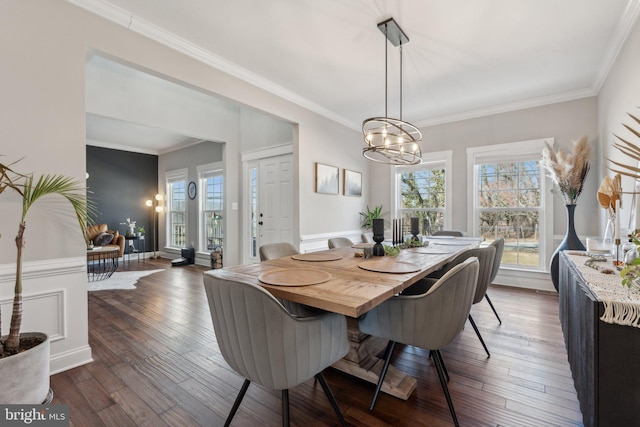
(465, 58)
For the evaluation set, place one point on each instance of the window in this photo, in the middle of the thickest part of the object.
(177, 208)
(211, 179)
(510, 201)
(422, 191)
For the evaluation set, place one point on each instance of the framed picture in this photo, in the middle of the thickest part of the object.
(352, 183)
(327, 179)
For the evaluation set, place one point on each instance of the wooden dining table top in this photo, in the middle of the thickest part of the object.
(350, 285)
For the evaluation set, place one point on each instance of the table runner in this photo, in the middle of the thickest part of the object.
(621, 304)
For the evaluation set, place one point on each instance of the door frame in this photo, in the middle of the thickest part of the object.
(250, 159)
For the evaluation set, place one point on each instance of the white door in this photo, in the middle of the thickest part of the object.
(274, 201)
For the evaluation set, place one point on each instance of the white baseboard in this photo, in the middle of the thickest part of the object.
(537, 280)
(70, 359)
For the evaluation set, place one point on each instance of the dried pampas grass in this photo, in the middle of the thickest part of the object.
(568, 170)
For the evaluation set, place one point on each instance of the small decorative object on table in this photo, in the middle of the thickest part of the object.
(132, 227)
(378, 236)
(568, 172)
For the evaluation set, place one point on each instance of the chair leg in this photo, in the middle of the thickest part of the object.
(331, 398)
(493, 308)
(387, 358)
(445, 389)
(285, 408)
(475, 328)
(438, 354)
(236, 404)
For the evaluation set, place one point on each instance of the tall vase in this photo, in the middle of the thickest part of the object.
(570, 241)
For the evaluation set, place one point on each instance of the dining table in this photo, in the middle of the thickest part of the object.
(342, 280)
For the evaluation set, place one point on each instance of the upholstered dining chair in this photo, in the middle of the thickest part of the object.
(266, 344)
(453, 233)
(498, 244)
(430, 320)
(276, 250)
(485, 257)
(367, 237)
(339, 242)
(279, 250)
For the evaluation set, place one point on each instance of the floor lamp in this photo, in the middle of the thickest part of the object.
(156, 209)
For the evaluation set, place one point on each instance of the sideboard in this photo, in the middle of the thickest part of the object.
(604, 358)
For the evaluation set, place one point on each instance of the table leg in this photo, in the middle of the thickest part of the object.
(362, 362)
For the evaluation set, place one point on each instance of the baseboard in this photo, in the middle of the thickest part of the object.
(70, 359)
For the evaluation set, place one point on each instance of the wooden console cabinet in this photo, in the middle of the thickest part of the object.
(604, 358)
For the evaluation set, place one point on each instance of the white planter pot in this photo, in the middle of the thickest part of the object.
(25, 376)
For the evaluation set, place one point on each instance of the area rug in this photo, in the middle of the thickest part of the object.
(120, 280)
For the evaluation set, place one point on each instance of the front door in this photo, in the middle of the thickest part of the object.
(272, 213)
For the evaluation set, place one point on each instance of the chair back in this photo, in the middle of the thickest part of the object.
(430, 320)
(276, 250)
(498, 244)
(262, 341)
(367, 237)
(339, 242)
(453, 233)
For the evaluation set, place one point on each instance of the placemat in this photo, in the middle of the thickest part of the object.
(294, 277)
(430, 251)
(389, 265)
(317, 257)
(362, 245)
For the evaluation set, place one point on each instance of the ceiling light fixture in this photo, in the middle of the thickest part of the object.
(392, 141)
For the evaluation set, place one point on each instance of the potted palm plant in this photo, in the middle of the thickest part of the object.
(24, 357)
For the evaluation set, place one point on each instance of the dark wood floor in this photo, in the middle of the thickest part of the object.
(156, 363)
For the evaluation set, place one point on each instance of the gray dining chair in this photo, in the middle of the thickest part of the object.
(430, 320)
(276, 250)
(498, 244)
(367, 237)
(453, 233)
(339, 242)
(279, 250)
(266, 344)
(486, 258)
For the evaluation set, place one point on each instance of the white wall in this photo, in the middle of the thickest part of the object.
(565, 122)
(43, 49)
(620, 95)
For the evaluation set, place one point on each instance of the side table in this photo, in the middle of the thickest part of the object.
(130, 247)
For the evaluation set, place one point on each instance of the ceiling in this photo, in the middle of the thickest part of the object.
(465, 58)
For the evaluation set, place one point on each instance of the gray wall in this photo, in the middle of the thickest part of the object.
(190, 158)
(120, 182)
(566, 122)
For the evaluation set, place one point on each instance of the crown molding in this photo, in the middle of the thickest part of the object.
(113, 13)
(618, 39)
(126, 19)
(506, 108)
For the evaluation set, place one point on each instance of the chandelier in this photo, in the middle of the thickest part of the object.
(391, 141)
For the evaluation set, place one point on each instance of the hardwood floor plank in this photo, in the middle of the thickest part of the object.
(156, 362)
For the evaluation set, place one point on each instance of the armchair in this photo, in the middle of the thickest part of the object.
(93, 231)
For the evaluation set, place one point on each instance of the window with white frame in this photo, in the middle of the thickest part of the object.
(211, 179)
(176, 182)
(423, 191)
(510, 200)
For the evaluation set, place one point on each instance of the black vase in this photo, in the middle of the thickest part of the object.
(570, 241)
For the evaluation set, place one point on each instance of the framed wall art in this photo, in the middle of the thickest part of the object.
(327, 179)
(352, 183)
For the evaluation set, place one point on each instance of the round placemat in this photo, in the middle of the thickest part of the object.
(294, 277)
(317, 257)
(362, 245)
(389, 265)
